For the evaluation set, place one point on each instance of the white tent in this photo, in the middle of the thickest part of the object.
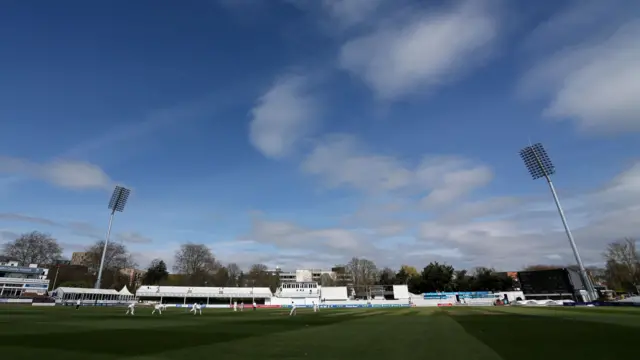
(125, 291)
(64, 294)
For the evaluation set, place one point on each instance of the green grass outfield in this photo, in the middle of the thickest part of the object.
(411, 333)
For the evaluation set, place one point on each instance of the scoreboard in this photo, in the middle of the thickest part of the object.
(555, 281)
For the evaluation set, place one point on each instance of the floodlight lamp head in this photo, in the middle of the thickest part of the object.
(537, 161)
(119, 198)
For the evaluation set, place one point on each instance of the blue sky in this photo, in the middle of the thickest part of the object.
(300, 133)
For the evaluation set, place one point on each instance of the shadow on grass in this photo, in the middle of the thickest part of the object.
(146, 341)
(521, 337)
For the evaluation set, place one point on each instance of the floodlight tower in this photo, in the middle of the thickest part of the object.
(539, 164)
(117, 203)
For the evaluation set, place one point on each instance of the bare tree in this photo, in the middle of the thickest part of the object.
(327, 280)
(192, 259)
(364, 272)
(233, 270)
(117, 257)
(623, 264)
(33, 248)
(260, 277)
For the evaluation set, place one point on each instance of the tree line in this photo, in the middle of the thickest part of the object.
(196, 265)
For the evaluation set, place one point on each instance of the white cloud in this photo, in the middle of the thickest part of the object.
(521, 239)
(62, 173)
(327, 246)
(507, 233)
(282, 116)
(451, 178)
(593, 76)
(290, 235)
(622, 190)
(340, 161)
(425, 51)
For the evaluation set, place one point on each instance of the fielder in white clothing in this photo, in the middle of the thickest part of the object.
(197, 308)
(158, 308)
(131, 309)
(242, 306)
(315, 307)
(293, 309)
(235, 306)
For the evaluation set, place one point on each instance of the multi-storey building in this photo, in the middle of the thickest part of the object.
(135, 276)
(80, 258)
(310, 275)
(5, 261)
(16, 280)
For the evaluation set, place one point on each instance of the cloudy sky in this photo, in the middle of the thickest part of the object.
(300, 133)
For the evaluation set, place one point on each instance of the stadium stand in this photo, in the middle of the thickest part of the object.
(299, 290)
(338, 293)
(18, 280)
(159, 292)
(400, 292)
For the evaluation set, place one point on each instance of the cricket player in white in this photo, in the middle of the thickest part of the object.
(158, 308)
(293, 309)
(131, 309)
(242, 306)
(197, 308)
(193, 308)
(254, 305)
(235, 306)
(315, 307)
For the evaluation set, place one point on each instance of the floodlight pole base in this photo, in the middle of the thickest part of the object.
(55, 279)
(593, 295)
(104, 250)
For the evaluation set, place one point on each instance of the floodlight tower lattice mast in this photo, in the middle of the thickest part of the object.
(117, 203)
(539, 164)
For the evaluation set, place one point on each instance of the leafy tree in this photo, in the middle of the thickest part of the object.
(156, 272)
(410, 270)
(405, 274)
(437, 277)
(416, 285)
(486, 279)
(33, 248)
(387, 277)
(462, 280)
